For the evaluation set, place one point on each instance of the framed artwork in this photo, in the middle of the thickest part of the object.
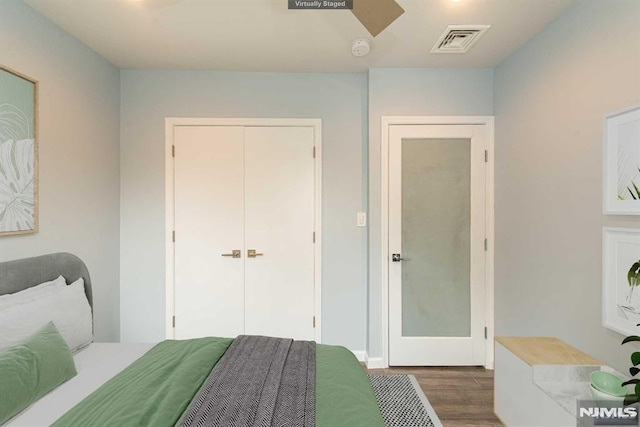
(621, 175)
(621, 280)
(18, 153)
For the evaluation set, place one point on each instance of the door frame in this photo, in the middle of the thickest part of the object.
(488, 121)
(170, 124)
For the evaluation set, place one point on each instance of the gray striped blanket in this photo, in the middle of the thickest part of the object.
(260, 381)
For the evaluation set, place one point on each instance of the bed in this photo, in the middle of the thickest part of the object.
(135, 384)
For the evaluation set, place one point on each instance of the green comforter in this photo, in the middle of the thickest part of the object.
(157, 388)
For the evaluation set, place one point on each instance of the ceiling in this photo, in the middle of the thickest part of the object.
(262, 35)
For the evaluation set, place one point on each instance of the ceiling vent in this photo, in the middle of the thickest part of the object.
(459, 38)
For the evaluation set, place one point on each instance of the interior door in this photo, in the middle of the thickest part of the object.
(279, 227)
(209, 224)
(436, 245)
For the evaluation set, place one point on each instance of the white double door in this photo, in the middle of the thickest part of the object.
(437, 213)
(244, 222)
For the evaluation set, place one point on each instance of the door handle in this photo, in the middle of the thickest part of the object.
(236, 253)
(398, 258)
(251, 253)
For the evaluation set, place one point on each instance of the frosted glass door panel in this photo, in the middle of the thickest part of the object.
(436, 220)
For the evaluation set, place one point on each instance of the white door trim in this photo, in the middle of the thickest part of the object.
(170, 123)
(384, 219)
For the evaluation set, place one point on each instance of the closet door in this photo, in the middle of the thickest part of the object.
(209, 224)
(279, 226)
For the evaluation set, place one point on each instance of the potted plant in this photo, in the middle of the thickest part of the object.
(633, 277)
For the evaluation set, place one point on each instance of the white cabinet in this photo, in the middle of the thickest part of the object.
(518, 401)
(538, 381)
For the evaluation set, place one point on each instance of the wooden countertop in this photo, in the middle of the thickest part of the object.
(545, 351)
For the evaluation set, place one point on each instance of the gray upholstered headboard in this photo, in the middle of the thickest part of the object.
(26, 273)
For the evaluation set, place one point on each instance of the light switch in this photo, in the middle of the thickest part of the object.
(361, 220)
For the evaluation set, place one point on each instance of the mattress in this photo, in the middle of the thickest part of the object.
(96, 364)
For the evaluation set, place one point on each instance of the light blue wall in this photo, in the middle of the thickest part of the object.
(338, 99)
(551, 97)
(349, 108)
(412, 92)
(79, 102)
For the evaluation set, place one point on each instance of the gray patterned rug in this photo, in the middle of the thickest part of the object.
(402, 402)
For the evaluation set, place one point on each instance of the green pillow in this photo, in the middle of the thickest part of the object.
(33, 368)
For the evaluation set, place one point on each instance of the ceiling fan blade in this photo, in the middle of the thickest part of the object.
(376, 15)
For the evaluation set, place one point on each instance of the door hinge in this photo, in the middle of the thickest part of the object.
(485, 333)
(173, 322)
(314, 152)
(173, 236)
(173, 151)
(314, 321)
(486, 245)
(314, 237)
(486, 156)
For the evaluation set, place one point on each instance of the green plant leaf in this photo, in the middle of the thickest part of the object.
(635, 358)
(637, 389)
(633, 276)
(630, 338)
(636, 188)
(631, 381)
(630, 399)
(634, 371)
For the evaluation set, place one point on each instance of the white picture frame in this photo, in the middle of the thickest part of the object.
(621, 171)
(620, 307)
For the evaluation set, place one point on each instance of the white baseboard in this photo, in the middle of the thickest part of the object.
(361, 355)
(376, 362)
(490, 365)
(373, 362)
(370, 362)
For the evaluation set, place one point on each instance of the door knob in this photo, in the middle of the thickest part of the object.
(236, 253)
(251, 253)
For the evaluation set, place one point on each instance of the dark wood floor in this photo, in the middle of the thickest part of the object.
(461, 396)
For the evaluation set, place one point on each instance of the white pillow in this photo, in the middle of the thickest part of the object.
(32, 293)
(67, 308)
